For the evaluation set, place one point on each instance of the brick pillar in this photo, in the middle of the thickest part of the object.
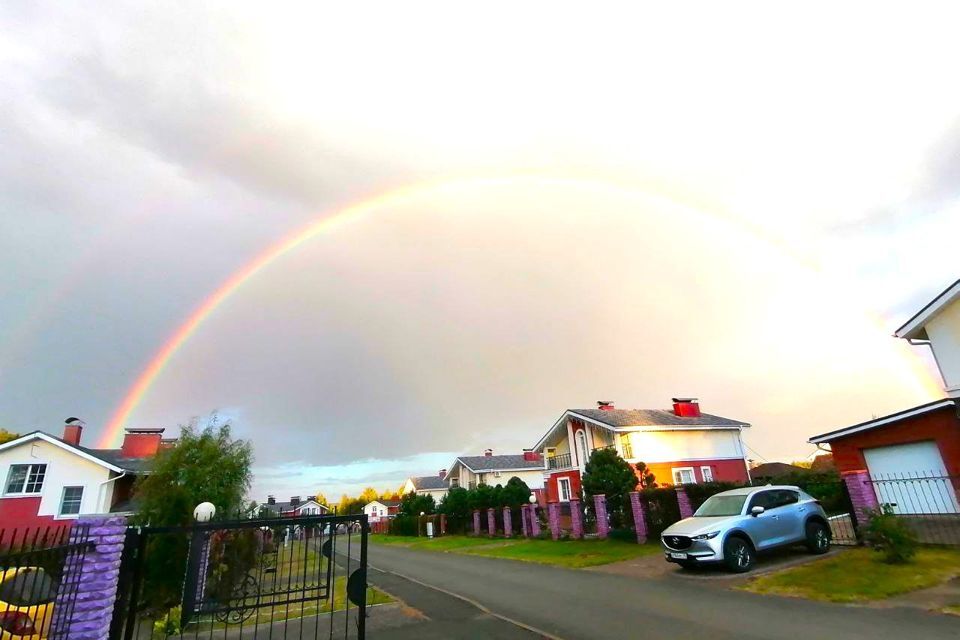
(507, 523)
(476, 522)
(553, 515)
(93, 578)
(639, 517)
(523, 520)
(443, 524)
(576, 519)
(603, 522)
(491, 522)
(534, 521)
(862, 494)
(683, 501)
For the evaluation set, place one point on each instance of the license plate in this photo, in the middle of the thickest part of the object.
(678, 556)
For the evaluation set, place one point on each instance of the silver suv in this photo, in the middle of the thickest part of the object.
(732, 526)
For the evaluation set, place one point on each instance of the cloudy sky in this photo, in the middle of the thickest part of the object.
(730, 202)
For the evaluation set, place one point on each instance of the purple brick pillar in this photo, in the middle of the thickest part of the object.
(476, 522)
(576, 519)
(553, 514)
(534, 521)
(93, 578)
(491, 522)
(443, 524)
(603, 522)
(523, 520)
(639, 517)
(683, 501)
(862, 495)
(507, 523)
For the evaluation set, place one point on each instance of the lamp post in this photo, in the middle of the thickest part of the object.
(204, 512)
(419, 521)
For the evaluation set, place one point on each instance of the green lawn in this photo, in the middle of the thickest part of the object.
(860, 574)
(567, 553)
(445, 543)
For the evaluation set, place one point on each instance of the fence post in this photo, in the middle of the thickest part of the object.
(600, 508)
(91, 580)
(443, 524)
(862, 495)
(639, 518)
(534, 521)
(553, 515)
(576, 519)
(507, 523)
(491, 522)
(683, 501)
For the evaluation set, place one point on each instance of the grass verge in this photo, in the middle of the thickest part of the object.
(573, 554)
(859, 575)
(445, 543)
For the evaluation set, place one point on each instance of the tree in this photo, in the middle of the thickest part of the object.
(647, 479)
(608, 474)
(456, 506)
(321, 499)
(369, 495)
(7, 436)
(515, 493)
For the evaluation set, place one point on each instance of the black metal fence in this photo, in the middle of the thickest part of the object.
(39, 578)
(277, 578)
(927, 502)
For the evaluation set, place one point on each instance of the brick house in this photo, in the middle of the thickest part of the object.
(681, 445)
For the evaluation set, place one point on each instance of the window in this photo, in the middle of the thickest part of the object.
(763, 499)
(26, 478)
(70, 502)
(707, 474)
(563, 488)
(626, 446)
(582, 447)
(496, 474)
(454, 482)
(684, 475)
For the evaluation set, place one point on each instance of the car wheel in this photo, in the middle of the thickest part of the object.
(738, 555)
(818, 538)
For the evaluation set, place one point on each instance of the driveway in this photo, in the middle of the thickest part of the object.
(573, 604)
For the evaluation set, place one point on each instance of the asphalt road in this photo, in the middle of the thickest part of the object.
(573, 604)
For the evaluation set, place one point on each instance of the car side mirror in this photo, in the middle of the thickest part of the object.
(755, 511)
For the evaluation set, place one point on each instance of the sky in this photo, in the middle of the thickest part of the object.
(630, 202)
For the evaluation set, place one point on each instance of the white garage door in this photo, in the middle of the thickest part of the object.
(912, 478)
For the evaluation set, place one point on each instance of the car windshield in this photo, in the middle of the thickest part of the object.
(721, 506)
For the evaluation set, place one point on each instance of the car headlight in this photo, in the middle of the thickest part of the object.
(706, 536)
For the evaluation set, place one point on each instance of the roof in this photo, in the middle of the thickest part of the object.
(386, 503)
(116, 458)
(774, 469)
(109, 458)
(283, 507)
(922, 409)
(499, 463)
(915, 327)
(428, 483)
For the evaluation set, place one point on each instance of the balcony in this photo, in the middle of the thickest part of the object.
(561, 461)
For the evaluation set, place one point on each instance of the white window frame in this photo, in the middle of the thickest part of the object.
(561, 482)
(706, 473)
(583, 452)
(496, 474)
(26, 479)
(63, 498)
(677, 472)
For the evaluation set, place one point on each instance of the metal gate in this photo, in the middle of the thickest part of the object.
(296, 577)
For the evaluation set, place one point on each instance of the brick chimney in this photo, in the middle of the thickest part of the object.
(605, 405)
(141, 443)
(686, 407)
(294, 501)
(442, 474)
(531, 456)
(72, 430)
(488, 452)
(271, 500)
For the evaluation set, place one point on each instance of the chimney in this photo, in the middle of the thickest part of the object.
(686, 407)
(488, 452)
(531, 456)
(443, 474)
(605, 405)
(271, 500)
(294, 501)
(72, 430)
(141, 443)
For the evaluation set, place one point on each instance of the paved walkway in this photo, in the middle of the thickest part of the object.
(574, 604)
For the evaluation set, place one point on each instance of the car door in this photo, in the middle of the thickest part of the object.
(762, 529)
(790, 516)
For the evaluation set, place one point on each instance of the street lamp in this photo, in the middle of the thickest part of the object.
(204, 512)
(419, 520)
(533, 498)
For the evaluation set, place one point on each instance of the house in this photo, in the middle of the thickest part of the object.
(679, 446)
(764, 473)
(470, 471)
(435, 486)
(294, 507)
(381, 509)
(50, 479)
(937, 325)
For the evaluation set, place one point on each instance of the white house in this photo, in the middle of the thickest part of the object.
(294, 507)
(937, 325)
(435, 486)
(381, 509)
(469, 471)
(49, 479)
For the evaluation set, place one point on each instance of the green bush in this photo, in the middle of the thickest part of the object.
(698, 493)
(405, 525)
(661, 508)
(890, 535)
(625, 535)
(168, 625)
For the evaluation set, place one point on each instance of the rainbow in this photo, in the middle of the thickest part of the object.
(354, 213)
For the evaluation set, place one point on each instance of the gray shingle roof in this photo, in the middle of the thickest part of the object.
(495, 463)
(654, 418)
(283, 507)
(426, 483)
(115, 457)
